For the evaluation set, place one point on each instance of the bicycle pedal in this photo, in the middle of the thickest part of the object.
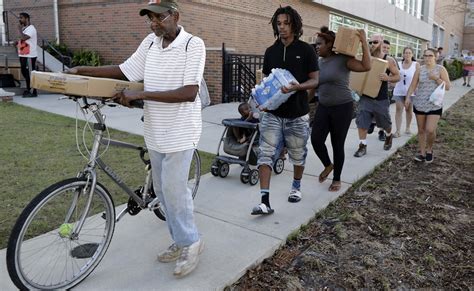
(104, 217)
(153, 205)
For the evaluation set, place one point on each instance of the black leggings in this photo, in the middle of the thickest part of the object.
(336, 121)
(25, 69)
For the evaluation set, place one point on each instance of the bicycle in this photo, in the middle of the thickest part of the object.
(42, 255)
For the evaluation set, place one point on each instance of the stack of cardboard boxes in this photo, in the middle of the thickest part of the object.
(365, 83)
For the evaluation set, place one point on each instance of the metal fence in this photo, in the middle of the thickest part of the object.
(238, 75)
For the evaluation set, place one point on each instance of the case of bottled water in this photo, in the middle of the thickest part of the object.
(268, 94)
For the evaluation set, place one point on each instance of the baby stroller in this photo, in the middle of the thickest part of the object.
(244, 154)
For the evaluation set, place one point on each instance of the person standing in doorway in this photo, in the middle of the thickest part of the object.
(288, 125)
(27, 51)
(170, 61)
(408, 66)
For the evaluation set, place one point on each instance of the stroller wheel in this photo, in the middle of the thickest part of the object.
(279, 166)
(215, 169)
(244, 176)
(254, 177)
(223, 170)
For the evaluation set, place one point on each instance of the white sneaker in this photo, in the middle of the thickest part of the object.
(171, 254)
(189, 259)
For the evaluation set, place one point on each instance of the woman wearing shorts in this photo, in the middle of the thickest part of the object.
(408, 66)
(426, 79)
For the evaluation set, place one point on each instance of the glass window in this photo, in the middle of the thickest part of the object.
(397, 40)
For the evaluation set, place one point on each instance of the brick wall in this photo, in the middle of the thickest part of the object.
(213, 74)
(114, 29)
(468, 39)
(41, 16)
(449, 14)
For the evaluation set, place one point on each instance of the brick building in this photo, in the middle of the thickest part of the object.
(114, 29)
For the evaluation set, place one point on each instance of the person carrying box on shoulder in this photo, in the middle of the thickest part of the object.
(377, 107)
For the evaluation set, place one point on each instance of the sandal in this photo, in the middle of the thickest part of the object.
(325, 173)
(262, 209)
(397, 134)
(295, 196)
(335, 186)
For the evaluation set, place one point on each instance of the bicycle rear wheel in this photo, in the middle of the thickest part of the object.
(43, 250)
(194, 176)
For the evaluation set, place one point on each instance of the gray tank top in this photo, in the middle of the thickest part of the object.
(424, 90)
(334, 81)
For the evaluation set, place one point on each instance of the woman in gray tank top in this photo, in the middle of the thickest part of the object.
(334, 113)
(426, 79)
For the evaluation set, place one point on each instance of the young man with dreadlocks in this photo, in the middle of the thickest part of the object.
(288, 124)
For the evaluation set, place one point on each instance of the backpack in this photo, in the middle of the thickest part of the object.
(203, 91)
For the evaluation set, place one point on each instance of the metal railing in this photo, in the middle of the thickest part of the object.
(46, 45)
(238, 75)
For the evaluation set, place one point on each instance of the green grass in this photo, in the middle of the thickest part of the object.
(38, 149)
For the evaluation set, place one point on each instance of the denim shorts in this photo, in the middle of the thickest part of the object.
(277, 132)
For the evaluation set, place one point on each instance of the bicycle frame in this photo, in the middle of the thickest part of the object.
(89, 170)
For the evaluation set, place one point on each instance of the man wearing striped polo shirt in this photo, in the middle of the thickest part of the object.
(170, 61)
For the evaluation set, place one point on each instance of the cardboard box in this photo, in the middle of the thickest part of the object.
(78, 85)
(347, 42)
(368, 83)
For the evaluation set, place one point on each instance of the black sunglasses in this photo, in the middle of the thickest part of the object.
(404, 79)
(373, 42)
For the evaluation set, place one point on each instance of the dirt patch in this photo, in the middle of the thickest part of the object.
(407, 225)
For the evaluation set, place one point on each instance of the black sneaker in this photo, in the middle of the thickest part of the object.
(29, 95)
(382, 135)
(468, 85)
(388, 142)
(362, 151)
(429, 157)
(371, 128)
(35, 93)
(26, 93)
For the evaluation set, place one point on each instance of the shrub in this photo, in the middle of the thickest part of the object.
(86, 57)
(454, 69)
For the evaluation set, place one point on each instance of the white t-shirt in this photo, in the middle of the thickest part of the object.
(169, 127)
(32, 42)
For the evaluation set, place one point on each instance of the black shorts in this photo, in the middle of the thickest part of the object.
(465, 73)
(434, 112)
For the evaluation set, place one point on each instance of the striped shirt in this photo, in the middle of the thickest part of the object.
(169, 127)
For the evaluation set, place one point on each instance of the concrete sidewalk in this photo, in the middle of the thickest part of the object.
(235, 240)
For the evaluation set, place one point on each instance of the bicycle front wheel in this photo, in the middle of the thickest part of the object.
(45, 252)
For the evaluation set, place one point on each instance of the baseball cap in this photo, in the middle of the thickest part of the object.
(159, 6)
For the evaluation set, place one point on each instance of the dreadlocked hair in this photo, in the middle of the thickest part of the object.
(294, 18)
(327, 35)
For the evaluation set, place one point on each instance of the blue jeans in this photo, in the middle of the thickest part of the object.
(171, 188)
(277, 132)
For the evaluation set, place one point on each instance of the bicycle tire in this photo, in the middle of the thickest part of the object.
(48, 260)
(194, 177)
